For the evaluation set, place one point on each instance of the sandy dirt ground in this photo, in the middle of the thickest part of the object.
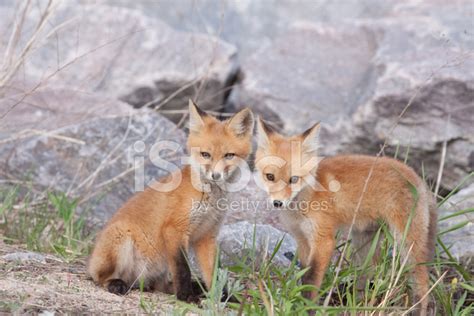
(52, 285)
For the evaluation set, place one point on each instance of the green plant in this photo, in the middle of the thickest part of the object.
(68, 240)
(375, 286)
(262, 287)
(47, 225)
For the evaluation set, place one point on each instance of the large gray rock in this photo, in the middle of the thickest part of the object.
(79, 149)
(124, 54)
(311, 73)
(357, 78)
(256, 242)
(425, 72)
(459, 241)
(251, 24)
(28, 110)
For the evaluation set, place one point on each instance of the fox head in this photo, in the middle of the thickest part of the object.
(286, 165)
(219, 148)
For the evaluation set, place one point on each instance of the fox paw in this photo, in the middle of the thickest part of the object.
(188, 296)
(118, 287)
(198, 288)
(195, 299)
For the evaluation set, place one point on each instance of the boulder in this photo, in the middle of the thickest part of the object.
(358, 76)
(312, 73)
(459, 241)
(28, 109)
(426, 74)
(122, 53)
(251, 24)
(69, 142)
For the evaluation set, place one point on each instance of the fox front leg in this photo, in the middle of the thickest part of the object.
(318, 261)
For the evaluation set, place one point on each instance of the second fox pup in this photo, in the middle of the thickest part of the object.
(318, 197)
(150, 235)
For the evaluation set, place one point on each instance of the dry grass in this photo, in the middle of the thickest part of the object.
(62, 287)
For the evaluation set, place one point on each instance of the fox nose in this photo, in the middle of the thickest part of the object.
(277, 203)
(216, 176)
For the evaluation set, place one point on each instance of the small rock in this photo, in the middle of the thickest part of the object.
(251, 204)
(25, 256)
(237, 240)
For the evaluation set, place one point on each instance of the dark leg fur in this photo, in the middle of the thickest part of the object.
(187, 289)
(117, 286)
(197, 287)
(184, 287)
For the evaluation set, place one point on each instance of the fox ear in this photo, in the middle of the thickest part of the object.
(263, 130)
(195, 117)
(311, 138)
(241, 124)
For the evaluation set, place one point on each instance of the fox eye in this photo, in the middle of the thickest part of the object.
(294, 179)
(205, 155)
(229, 156)
(270, 177)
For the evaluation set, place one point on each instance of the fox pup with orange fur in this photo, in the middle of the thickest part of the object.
(150, 235)
(317, 197)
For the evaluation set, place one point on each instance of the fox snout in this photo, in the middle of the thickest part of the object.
(281, 199)
(281, 194)
(215, 175)
(216, 172)
(277, 203)
(281, 204)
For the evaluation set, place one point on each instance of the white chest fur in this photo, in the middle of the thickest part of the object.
(208, 213)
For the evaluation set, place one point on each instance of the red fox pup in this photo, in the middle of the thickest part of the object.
(149, 236)
(317, 197)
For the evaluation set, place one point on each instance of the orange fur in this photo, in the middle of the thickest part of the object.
(388, 196)
(150, 234)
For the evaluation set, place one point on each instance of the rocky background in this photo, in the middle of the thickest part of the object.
(82, 82)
